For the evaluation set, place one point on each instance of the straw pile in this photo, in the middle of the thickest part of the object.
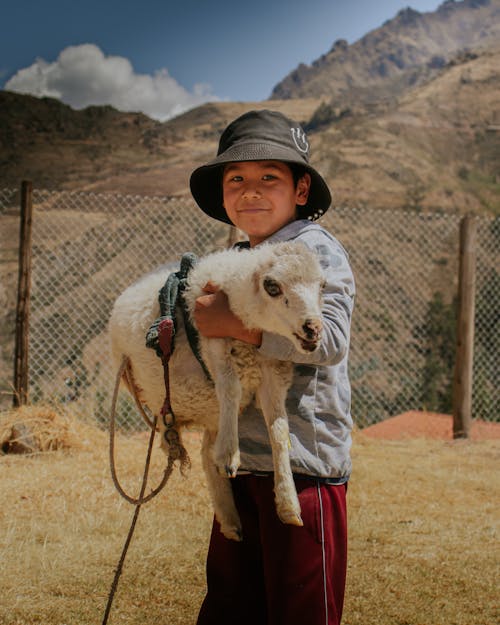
(36, 429)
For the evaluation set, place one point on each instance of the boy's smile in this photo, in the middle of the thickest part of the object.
(260, 197)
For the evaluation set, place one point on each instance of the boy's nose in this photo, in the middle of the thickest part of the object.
(251, 191)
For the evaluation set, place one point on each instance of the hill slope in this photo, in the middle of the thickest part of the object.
(102, 149)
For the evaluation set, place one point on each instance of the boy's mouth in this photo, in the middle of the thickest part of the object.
(252, 211)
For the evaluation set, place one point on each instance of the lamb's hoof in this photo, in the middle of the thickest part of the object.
(230, 525)
(232, 533)
(228, 464)
(289, 513)
(291, 519)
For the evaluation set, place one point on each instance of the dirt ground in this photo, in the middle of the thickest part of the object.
(420, 424)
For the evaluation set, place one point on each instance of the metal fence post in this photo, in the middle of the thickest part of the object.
(23, 297)
(462, 382)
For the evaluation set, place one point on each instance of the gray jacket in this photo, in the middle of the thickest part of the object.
(319, 398)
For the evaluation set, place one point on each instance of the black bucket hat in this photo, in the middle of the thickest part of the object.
(258, 136)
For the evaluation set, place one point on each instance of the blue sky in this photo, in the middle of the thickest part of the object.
(163, 56)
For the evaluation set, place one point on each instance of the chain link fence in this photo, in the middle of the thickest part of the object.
(88, 247)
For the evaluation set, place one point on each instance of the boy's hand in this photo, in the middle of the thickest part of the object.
(214, 318)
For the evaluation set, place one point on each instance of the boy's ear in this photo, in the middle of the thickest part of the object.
(302, 190)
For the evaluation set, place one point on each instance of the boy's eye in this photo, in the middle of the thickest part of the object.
(268, 177)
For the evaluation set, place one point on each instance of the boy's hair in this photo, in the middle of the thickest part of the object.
(260, 136)
(298, 172)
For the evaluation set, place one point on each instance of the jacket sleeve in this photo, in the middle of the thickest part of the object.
(338, 302)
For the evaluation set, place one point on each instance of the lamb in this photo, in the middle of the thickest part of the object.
(273, 287)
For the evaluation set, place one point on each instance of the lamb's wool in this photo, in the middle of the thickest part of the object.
(276, 288)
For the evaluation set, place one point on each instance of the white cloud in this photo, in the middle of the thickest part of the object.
(82, 75)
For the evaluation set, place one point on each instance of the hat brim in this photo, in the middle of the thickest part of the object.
(206, 181)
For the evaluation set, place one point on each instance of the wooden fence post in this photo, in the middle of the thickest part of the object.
(23, 297)
(235, 236)
(462, 382)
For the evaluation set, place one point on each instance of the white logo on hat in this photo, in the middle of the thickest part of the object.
(300, 140)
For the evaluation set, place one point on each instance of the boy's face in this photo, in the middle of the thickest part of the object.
(260, 197)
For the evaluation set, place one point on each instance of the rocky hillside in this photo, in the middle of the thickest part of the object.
(437, 148)
(404, 51)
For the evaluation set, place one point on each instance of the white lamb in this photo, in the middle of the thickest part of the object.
(273, 287)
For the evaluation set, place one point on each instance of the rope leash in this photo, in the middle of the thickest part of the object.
(125, 371)
(174, 453)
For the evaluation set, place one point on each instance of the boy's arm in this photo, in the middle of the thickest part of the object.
(214, 318)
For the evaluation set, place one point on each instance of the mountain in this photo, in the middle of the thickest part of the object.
(403, 52)
(406, 117)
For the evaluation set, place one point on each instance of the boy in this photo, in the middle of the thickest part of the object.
(262, 183)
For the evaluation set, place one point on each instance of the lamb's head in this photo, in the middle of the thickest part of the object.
(289, 288)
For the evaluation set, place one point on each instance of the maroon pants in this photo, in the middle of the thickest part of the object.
(279, 574)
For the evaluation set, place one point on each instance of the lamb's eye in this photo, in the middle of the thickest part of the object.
(272, 287)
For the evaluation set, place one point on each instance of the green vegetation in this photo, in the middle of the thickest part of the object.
(487, 346)
(435, 338)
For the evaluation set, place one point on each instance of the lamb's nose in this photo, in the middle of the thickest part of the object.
(312, 328)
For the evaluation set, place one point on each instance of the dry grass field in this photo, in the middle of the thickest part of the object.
(423, 532)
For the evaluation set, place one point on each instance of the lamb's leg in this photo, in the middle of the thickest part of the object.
(228, 390)
(272, 395)
(220, 491)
